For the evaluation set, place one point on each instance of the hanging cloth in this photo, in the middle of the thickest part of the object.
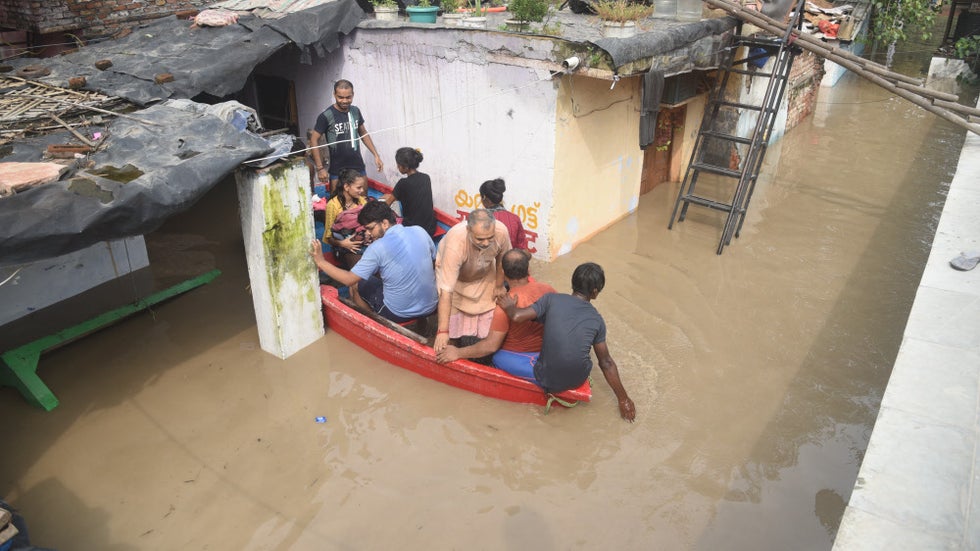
(653, 90)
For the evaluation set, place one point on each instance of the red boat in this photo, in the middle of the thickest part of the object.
(406, 349)
(398, 348)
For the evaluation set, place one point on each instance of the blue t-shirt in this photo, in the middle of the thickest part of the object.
(403, 259)
(572, 326)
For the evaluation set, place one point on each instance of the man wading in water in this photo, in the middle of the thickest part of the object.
(571, 327)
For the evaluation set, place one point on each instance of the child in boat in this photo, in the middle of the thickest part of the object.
(351, 192)
(414, 191)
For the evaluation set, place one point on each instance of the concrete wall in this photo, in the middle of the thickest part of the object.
(52, 280)
(277, 227)
(598, 158)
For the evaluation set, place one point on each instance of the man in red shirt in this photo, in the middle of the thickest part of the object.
(515, 346)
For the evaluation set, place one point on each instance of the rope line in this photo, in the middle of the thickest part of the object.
(552, 399)
(439, 115)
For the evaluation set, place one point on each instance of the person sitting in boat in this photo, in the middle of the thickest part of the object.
(572, 326)
(469, 276)
(402, 256)
(350, 192)
(414, 191)
(492, 195)
(515, 346)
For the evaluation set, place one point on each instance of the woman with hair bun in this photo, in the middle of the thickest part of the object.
(414, 191)
(492, 195)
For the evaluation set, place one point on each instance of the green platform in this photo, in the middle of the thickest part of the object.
(19, 366)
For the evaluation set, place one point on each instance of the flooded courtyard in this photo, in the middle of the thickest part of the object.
(756, 376)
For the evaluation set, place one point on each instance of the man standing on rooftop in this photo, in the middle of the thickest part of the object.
(343, 127)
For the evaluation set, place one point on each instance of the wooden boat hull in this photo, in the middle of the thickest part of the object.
(408, 354)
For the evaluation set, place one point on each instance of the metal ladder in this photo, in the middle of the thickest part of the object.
(784, 52)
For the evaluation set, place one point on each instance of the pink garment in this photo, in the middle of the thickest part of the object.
(467, 325)
(215, 18)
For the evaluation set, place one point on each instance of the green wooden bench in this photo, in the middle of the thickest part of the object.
(19, 366)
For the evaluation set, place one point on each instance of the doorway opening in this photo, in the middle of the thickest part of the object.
(657, 157)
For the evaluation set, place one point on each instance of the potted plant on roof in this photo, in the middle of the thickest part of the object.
(450, 17)
(619, 17)
(423, 12)
(477, 19)
(526, 11)
(385, 10)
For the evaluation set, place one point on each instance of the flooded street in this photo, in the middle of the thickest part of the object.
(756, 375)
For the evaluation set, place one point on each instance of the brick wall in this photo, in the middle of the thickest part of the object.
(86, 17)
(802, 88)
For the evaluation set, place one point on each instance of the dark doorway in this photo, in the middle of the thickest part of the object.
(276, 99)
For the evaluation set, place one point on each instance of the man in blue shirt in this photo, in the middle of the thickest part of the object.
(401, 256)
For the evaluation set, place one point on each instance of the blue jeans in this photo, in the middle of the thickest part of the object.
(518, 364)
(372, 291)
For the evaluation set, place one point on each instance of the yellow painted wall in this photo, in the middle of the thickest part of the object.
(680, 156)
(598, 159)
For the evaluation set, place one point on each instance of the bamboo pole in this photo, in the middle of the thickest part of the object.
(76, 133)
(91, 108)
(974, 112)
(812, 45)
(922, 91)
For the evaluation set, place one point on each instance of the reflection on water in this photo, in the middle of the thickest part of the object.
(757, 376)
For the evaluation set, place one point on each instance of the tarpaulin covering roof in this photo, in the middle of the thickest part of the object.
(662, 40)
(128, 191)
(142, 173)
(215, 60)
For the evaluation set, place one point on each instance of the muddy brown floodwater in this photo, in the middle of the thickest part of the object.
(756, 374)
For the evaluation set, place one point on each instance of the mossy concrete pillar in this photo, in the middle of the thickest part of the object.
(277, 223)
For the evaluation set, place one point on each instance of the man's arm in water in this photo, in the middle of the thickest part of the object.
(609, 370)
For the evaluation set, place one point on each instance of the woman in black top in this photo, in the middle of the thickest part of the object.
(414, 191)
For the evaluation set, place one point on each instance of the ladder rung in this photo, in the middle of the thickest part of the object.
(752, 73)
(707, 203)
(729, 137)
(744, 106)
(714, 169)
(758, 41)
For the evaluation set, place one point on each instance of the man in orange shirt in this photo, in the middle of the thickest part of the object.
(515, 346)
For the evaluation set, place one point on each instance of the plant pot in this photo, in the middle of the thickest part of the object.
(474, 22)
(618, 29)
(452, 19)
(422, 14)
(386, 13)
(516, 25)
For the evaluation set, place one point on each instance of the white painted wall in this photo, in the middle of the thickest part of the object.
(46, 282)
